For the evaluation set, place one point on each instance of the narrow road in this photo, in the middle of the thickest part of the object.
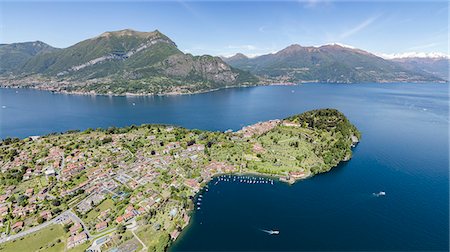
(73, 216)
(55, 220)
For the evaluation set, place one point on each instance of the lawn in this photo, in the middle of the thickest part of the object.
(43, 181)
(152, 238)
(44, 240)
(80, 248)
(106, 204)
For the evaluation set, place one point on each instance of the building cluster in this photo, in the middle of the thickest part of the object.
(77, 233)
(151, 179)
(258, 128)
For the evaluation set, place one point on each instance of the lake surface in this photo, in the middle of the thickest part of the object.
(404, 152)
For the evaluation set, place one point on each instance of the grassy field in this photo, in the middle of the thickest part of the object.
(80, 248)
(44, 240)
(155, 240)
(106, 204)
(43, 180)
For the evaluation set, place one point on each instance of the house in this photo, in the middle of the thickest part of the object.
(101, 226)
(173, 212)
(29, 192)
(17, 226)
(171, 146)
(119, 219)
(49, 172)
(175, 234)
(75, 228)
(47, 215)
(3, 198)
(195, 147)
(19, 212)
(31, 208)
(42, 196)
(129, 208)
(186, 218)
(76, 240)
(297, 174)
(192, 183)
(4, 211)
(128, 216)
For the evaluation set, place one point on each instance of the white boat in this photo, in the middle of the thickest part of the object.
(271, 232)
(382, 193)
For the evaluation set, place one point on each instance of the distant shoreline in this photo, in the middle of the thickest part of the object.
(130, 94)
(203, 91)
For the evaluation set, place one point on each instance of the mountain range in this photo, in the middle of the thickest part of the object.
(133, 62)
(118, 62)
(438, 66)
(335, 63)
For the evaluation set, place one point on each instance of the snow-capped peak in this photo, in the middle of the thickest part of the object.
(414, 55)
(342, 45)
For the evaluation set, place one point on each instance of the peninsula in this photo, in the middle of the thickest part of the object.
(133, 187)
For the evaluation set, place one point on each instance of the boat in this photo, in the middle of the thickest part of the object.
(381, 193)
(271, 232)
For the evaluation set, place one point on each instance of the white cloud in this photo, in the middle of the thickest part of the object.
(361, 26)
(243, 47)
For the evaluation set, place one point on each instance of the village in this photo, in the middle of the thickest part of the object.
(133, 188)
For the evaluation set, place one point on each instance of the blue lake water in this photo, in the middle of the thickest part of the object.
(404, 152)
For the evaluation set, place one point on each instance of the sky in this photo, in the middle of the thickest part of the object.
(249, 27)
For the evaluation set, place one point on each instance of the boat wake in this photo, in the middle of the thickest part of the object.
(271, 232)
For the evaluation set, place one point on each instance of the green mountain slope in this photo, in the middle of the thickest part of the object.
(127, 61)
(13, 56)
(329, 63)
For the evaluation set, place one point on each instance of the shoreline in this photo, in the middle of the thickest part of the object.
(167, 94)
